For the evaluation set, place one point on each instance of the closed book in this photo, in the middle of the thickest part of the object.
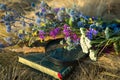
(41, 63)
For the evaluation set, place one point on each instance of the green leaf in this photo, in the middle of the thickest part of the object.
(116, 47)
(70, 22)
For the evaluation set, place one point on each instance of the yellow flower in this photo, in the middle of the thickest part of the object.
(42, 24)
(20, 31)
(90, 20)
(34, 33)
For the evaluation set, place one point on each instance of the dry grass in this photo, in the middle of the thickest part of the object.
(109, 9)
(107, 68)
(10, 69)
(18, 72)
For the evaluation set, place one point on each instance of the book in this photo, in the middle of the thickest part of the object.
(41, 63)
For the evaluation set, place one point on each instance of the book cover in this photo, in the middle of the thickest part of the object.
(41, 63)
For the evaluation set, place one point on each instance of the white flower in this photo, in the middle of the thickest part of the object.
(84, 41)
(88, 42)
(83, 44)
(61, 42)
(92, 55)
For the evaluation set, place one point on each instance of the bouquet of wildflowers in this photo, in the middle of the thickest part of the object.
(52, 23)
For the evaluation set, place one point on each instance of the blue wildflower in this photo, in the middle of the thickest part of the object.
(89, 35)
(20, 36)
(1, 45)
(3, 6)
(59, 16)
(38, 20)
(115, 27)
(37, 14)
(8, 28)
(23, 23)
(116, 30)
(92, 32)
(104, 25)
(42, 4)
(56, 10)
(80, 24)
(7, 17)
(63, 9)
(31, 24)
(72, 12)
(85, 17)
(7, 23)
(80, 15)
(93, 25)
(32, 4)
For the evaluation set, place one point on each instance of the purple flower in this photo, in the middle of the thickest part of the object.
(42, 34)
(89, 35)
(65, 26)
(56, 10)
(92, 32)
(94, 18)
(43, 10)
(54, 32)
(75, 38)
(66, 30)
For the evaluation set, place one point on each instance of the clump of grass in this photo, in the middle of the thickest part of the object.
(81, 72)
(18, 72)
(93, 72)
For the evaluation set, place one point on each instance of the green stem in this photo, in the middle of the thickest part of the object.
(103, 47)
